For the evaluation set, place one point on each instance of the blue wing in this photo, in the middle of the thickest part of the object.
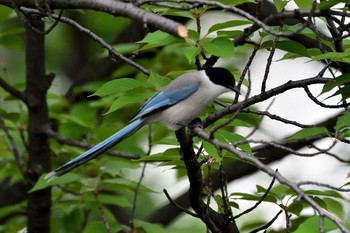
(165, 99)
(161, 100)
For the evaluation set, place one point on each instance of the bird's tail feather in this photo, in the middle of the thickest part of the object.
(98, 149)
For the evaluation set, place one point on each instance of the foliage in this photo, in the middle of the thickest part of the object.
(96, 92)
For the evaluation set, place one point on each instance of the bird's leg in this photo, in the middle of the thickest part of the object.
(197, 122)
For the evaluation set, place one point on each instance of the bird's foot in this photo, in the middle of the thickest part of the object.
(197, 122)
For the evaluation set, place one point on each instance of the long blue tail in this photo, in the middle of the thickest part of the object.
(98, 149)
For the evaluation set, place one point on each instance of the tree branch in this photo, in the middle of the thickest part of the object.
(89, 33)
(266, 153)
(116, 8)
(250, 159)
(215, 222)
(12, 91)
(264, 96)
(37, 84)
(13, 147)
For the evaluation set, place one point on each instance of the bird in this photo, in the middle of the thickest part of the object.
(175, 105)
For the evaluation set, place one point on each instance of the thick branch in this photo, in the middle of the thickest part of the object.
(215, 222)
(89, 33)
(117, 8)
(37, 83)
(262, 167)
(266, 153)
(264, 96)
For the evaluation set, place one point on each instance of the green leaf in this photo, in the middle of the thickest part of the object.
(309, 132)
(326, 193)
(180, 13)
(94, 226)
(157, 39)
(334, 206)
(229, 33)
(323, 5)
(228, 24)
(126, 48)
(288, 46)
(334, 56)
(340, 80)
(171, 154)
(220, 46)
(295, 208)
(235, 2)
(116, 200)
(252, 197)
(211, 150)
(232, 137)
(312, 225)
(118, 86)
(280, 191)
(343, 91)
(343, 121)
(158, 81)
(127, 100)
(73, 220)
(12, 209)
(116, 166)
(43, 183)
(250, 120)
(304, 4)
(149, 227)
(280, 4)
(192, 34)
(5, 13)
(190, 53)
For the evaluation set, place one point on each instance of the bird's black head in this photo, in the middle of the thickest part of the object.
(223, 77)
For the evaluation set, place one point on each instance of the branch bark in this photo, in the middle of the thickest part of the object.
(116, 8)
(37, 84)
(267, 154)
(215, 222)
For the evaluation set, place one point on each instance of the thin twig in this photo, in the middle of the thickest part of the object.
(246, 15)
(13, 148)
(269, 62)
(262, 198)
(330, 154)
(235, 114)
(281, 146)
(257, 126)
(277, 118)
(267, 225)
(103, 215)
(316, 183)
(12, 91)
(96, 38)
(137, 189)
(264, 96)
(316, 101)
(178, 206)
(266, 169)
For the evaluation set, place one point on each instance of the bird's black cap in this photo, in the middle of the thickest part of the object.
(222, 77)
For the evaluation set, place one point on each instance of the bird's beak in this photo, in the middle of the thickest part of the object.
(235, 89)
